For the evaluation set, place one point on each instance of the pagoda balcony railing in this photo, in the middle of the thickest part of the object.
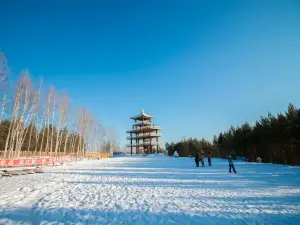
(145, 144)
(147, 128)
(143, 124)
(145, 136)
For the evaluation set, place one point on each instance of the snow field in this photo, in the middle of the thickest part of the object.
(153, 190)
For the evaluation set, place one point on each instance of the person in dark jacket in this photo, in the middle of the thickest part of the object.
(209, 158)
(197, 158)
(231, 165)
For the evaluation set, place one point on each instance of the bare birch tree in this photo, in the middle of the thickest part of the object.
(62, 118)
(46, 120)
(96, 134)
(25, 114)
(15, 112)
(4, 68)
(52, 111)
(66, 142)
(35, 111)
(74, 137)
(4, 73)
(3, 104)
(84, 123)
(23, 96)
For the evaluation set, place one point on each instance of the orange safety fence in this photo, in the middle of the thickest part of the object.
(33, 161)
(95, 155)
(32, 154)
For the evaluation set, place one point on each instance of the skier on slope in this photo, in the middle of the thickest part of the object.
(231, 165)
(197, 159)
(209, 158)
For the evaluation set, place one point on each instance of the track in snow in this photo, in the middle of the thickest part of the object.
(153, 190)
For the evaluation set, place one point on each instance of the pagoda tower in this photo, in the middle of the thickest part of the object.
(142, 133)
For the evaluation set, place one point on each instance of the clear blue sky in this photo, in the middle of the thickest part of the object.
(199, 66)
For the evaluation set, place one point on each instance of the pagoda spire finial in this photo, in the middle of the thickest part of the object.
(142, 111)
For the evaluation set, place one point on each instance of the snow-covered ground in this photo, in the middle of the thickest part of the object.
(153, 190)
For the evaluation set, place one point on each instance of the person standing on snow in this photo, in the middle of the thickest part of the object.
(231, 165)
(197, 158)
(202, 158)
(209, 158)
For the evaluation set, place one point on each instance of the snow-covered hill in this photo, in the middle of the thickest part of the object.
(153, 190)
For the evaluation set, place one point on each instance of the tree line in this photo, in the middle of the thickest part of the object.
(190, 146)
(274, 138)
(42, 122)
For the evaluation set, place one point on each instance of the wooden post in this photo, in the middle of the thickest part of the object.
(131, 143)
(157, 142)
(143, 136)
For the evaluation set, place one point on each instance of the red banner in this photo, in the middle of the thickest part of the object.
(35, 161)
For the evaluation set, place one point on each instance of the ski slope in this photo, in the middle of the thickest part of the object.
(153, 190)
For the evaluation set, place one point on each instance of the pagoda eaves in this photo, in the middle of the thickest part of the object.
(142, 116)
